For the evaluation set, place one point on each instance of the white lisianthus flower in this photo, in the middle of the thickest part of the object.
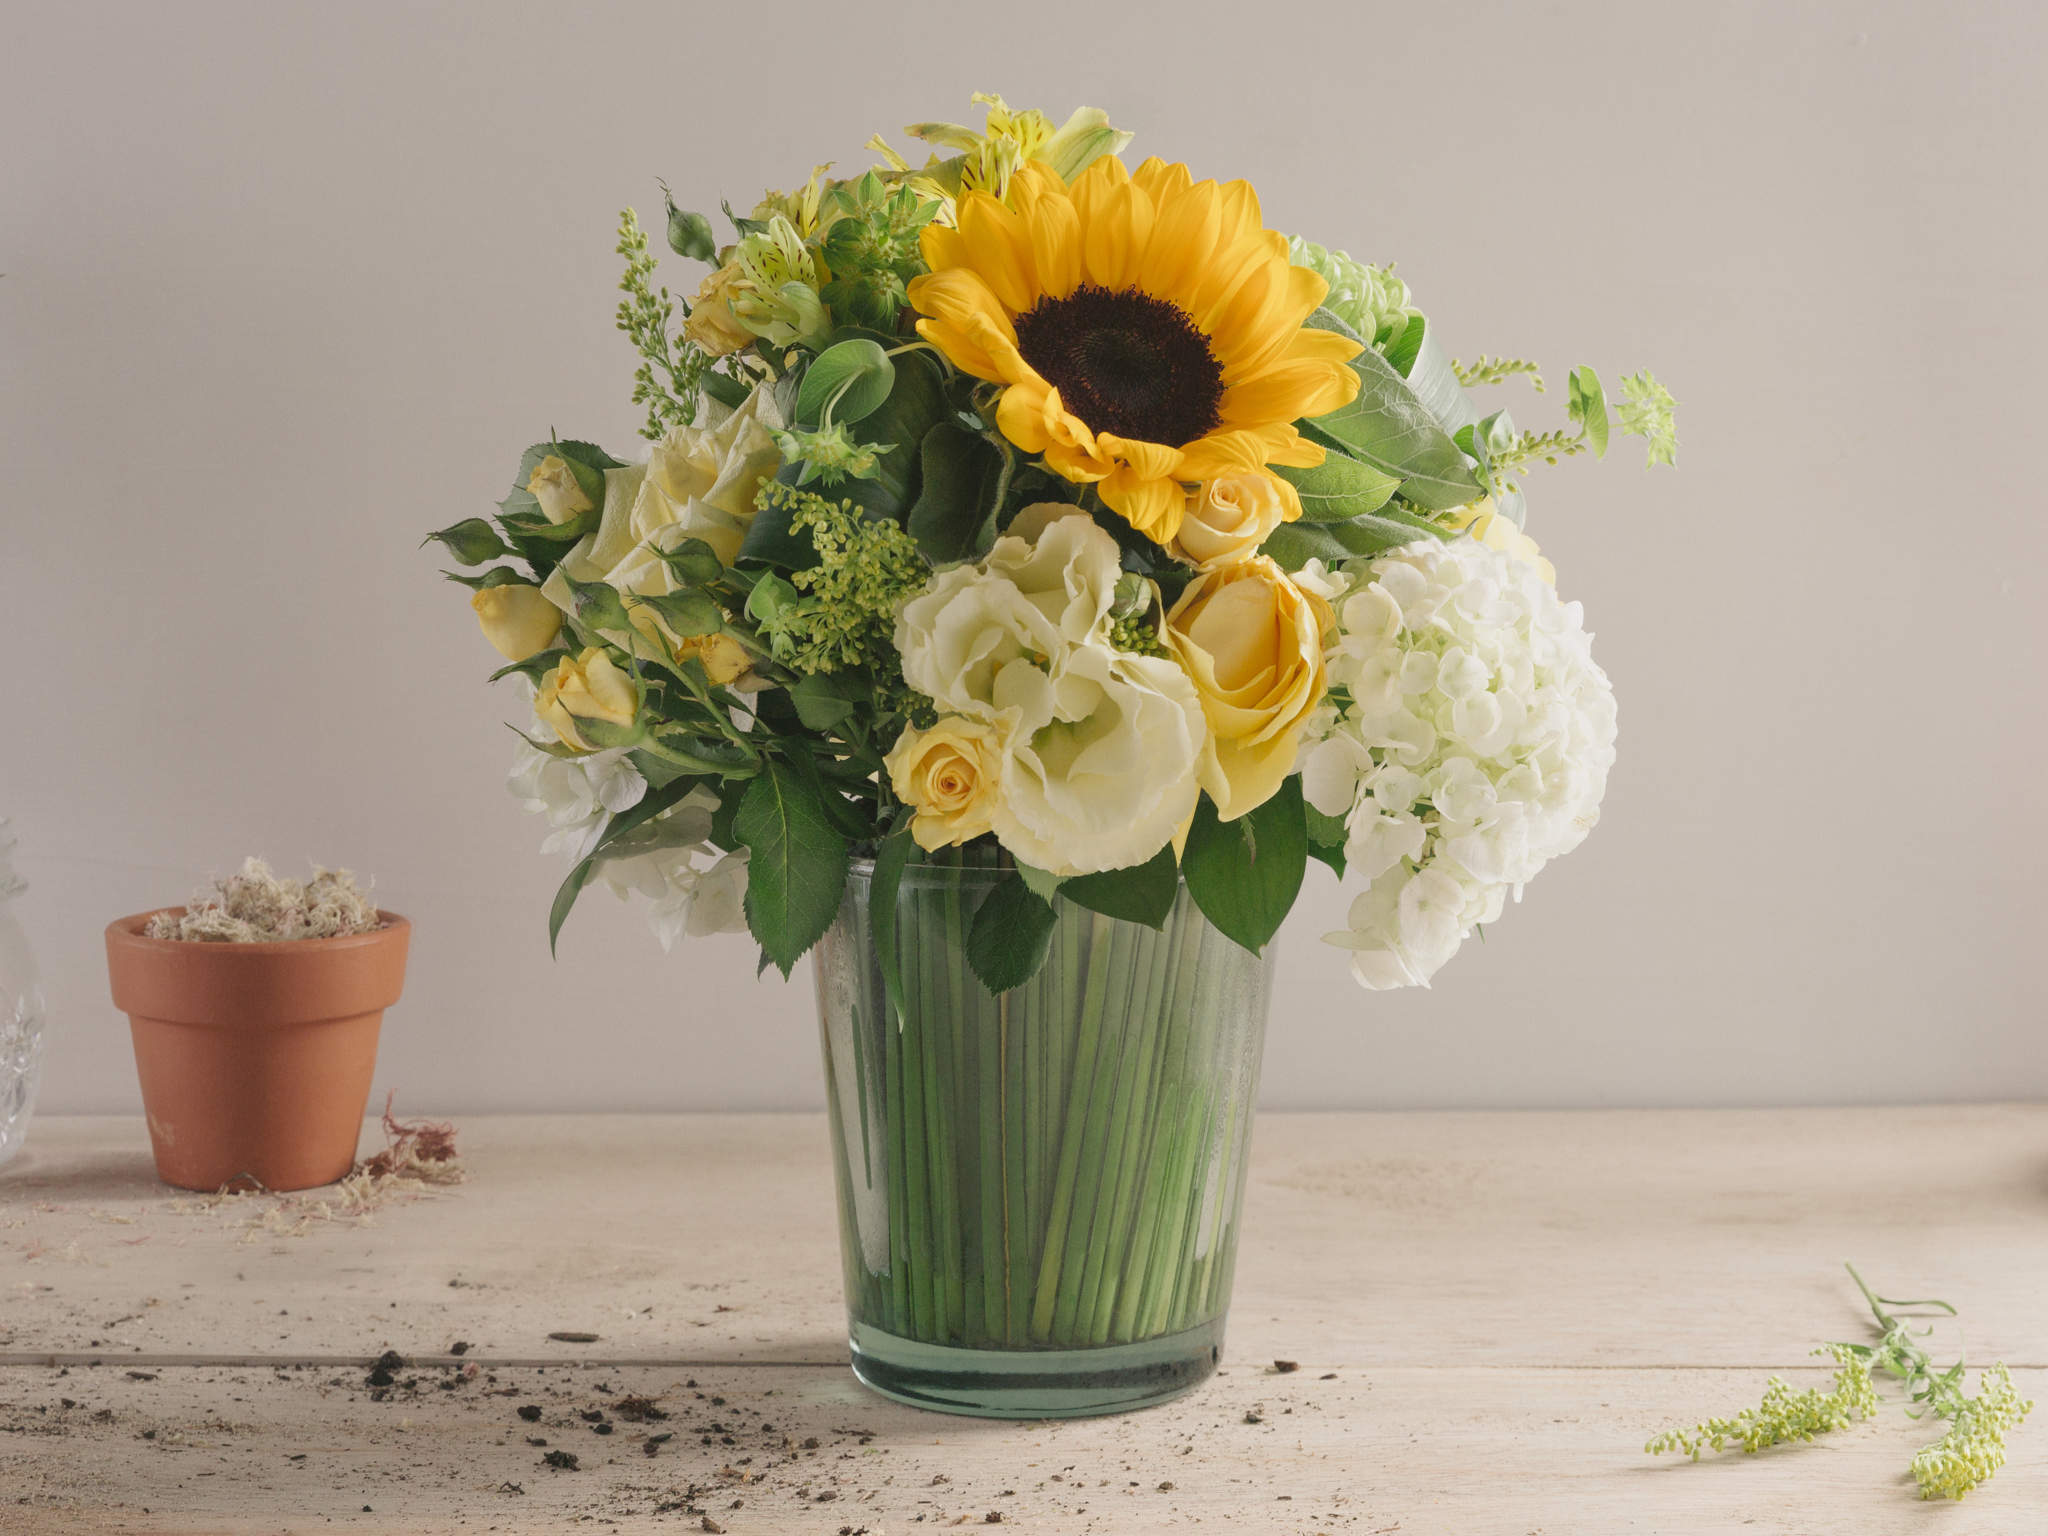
(1467, 744)
(692, 887)
(1096, 749)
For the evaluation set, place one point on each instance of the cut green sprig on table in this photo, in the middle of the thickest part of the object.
(1963, 1459)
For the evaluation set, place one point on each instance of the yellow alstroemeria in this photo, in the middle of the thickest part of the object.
(987, 158)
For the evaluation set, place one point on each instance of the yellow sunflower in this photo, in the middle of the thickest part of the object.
(1147, 330)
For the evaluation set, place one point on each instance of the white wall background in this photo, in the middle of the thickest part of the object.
(286, 285)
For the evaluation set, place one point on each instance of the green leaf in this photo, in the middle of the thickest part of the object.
(1339, 487)
(1323, 318)
(1245, 874)
(1436, 385)
(850, 378)
(1326, 837)
(913, 405)
(824, 700)
(496, 576)
(890, 860)
(1388, 427)
(1044, 883)
(471, 541)
(651, 805)
(1012, 932)
(1587, 404)
(796, 869)
(954, 516)
(1405, 345)
(724, 389)
(1142, 893)
(1293, 545)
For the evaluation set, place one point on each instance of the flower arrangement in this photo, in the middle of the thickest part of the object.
(1023, 503)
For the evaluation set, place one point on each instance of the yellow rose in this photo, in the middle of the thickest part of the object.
(1496, 532)
(1251, 639)
(586, 687)
(725, 659)
(949, 775)
(712, 324)
(1229, 517)
(556, 488)
(517, 619)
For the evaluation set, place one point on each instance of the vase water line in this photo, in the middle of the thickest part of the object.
(1039, 1191)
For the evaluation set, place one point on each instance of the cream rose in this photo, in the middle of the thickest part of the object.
(517, 619)
(699, 482)
(950, 775)
(1251, 639)
(555, 486)
(712, 324)
(586, 687)
(1229, 517)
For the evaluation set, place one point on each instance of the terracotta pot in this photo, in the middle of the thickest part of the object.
(255, 1059)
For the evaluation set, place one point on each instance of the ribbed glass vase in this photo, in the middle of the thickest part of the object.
(1038, 1192)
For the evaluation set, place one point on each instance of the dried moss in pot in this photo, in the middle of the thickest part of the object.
(254, 906)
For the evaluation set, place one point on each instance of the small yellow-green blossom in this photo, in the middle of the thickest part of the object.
(1783, 1414)
(1974, 1446)
(1648, 411)
(829, 453)
(1135, 632)
(644, 315)
(865, 569)
(1495, 370)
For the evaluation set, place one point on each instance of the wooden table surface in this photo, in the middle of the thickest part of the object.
(1490, 1314)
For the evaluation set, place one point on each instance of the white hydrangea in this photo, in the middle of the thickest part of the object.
(692, 887)
(1466, 743)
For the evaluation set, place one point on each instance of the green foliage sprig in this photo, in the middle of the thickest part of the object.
(1963, 1459)
(644, 315)
(870, 245)
(1484, 370)
(841, 612)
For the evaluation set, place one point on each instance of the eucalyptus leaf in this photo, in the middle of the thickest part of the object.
(850, 378)
(1389, 428)
(1293, 545)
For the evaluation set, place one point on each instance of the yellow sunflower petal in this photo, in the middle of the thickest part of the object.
(998, 247)
(1161, 180)
(1288, 392)
(1184, 240)
(1150, 461)
(953, 301)
(1152, 506)
(1222, 452)
(1055, 228)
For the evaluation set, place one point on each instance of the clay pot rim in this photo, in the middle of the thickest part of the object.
(128, 931)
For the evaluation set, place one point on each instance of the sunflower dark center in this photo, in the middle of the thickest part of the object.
(1125, 362)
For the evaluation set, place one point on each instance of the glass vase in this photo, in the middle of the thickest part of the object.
(1039, 1191)
(21, 1010)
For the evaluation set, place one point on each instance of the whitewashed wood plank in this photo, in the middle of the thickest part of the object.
(1653, 1238)
(1393, 1452)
